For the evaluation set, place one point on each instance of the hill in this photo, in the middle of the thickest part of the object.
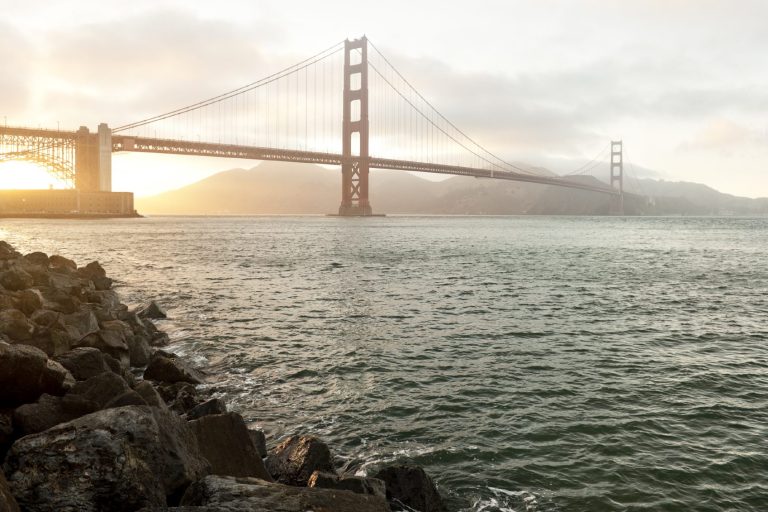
(286, 188)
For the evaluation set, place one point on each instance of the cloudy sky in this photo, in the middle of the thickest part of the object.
(683, 82)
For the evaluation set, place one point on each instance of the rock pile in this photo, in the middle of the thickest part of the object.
(95, 416)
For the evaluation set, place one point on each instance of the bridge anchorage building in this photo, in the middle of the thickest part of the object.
(289, 116)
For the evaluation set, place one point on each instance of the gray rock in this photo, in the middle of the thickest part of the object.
(26, 373)
(356, 484)
(118, 460)
(97, 275)
(165, 367)
(228, 494)
(181, 397)
(84, 362)
(224, 441)
(67, 283)
(16, 325)
(106, 298)
(207, 408)
(112, 342)
(151, 310)
(58, 300)
(6, 431)
(16, 279)
(294, 460)
(7, 501)
(259, 441)
(149, 394)
(411, 486)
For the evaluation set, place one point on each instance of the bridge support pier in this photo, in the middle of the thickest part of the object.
(93, 159)
(355, 156)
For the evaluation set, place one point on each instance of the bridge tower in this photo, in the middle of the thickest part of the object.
(617, 176)
(354, 166)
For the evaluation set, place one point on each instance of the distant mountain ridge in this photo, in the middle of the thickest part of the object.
(287, 188)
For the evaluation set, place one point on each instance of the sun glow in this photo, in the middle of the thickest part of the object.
(26, 175)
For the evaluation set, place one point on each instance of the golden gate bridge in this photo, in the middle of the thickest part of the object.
(346, 106)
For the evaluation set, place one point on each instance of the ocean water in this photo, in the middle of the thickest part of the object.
(529, 364)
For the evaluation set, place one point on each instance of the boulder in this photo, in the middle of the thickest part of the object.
(181, 397)
(111, 342)
(259, 441)
(26, 373)
(118, 459)
(101, 389)
(37, 258)
(61, 263)
(411, 486)
(16, 279)
(48, 412)
(229, 494)
(151, 310)
(16, 325)
(58, 300)
(7, 252)
(83, 322)
(166, 367)
(29, 301)
(294, 460)
(356, 484)
(224, 441)
(207, 408)
(149, 394)
(67, 283)
(84, 362)
(106, 298)
(97, 275)
(139, 351)
(7, 501)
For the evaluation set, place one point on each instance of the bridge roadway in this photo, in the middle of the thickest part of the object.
(179, 147)
(130, 143)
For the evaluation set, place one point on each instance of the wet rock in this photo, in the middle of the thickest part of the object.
(7, 501)
(224, 441)
(106, 298)
(16, 279)
(411, 486)
(356, 484)
(207, 408)
(16, 325)
(29, 301)
(37, 258)
(166, 367)
(294, 460)
(26, 373)
(151, 310)
(149, 394)
(61, 263)
(84, 362)
(259, 441)
(237, 494)
(101, 389)
(132, 456)
(181, 397)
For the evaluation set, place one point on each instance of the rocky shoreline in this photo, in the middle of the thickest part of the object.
(96, 414)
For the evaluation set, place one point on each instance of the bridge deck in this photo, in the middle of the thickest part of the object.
(178, 147)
